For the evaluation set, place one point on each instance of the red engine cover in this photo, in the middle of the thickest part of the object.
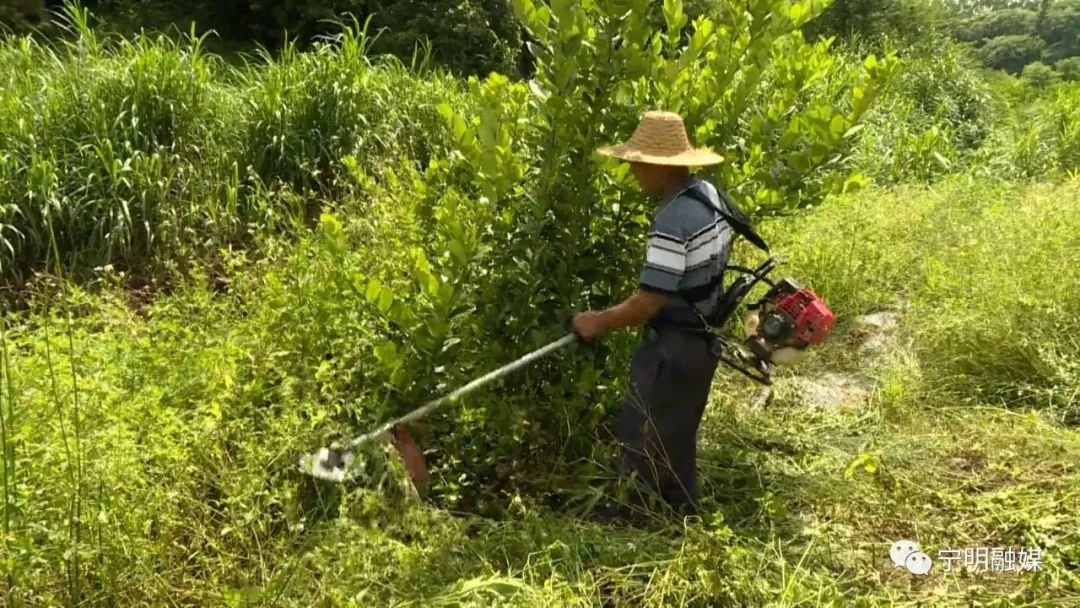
(812, 316)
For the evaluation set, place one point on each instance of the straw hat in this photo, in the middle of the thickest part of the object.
(660, 139)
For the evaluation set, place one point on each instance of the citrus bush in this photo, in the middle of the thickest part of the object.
(548, 231)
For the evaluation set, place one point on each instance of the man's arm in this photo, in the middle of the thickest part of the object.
(664, 266)
(636, 310)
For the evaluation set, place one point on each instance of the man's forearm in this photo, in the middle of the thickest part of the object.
(636, 310)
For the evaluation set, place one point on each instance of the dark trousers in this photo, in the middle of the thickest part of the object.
(670, 377)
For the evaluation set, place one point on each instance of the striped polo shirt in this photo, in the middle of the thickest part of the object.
(688, 248)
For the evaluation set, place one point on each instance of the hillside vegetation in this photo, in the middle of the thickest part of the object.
(212, 267)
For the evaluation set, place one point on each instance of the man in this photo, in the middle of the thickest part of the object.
(671, 372)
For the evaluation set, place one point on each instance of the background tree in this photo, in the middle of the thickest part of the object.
(1061, 30)
(1011, 53)
(1040, 18)
(1010, 38)
(1069, 68)
(1039, 75)
(874, 20)
(469, 37)
(1008, 22)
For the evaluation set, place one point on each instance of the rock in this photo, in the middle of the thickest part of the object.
(761, 398)
(876, 333)
(882, 321)
(831, 390)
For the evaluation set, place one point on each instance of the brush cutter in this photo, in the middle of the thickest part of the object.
(335, 463)
(780, 326)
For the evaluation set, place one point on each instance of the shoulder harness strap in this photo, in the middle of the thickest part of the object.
(736, 218)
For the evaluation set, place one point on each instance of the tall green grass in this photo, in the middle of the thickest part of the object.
(935, 116)
(136, 151)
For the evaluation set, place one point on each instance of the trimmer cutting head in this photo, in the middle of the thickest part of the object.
(330, 464)
(337, 463)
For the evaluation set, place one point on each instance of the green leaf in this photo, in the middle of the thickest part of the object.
(458, 127)
(374, 288)
(540, 52)
(446, 112)
(855, 182)
(796, 13)
(799, 161)
(421, 261)
(836, 125)
(673, 15)
(538, 90)
(387, 354)
(573, 44)
(386, 300)
(535, 18)
(849, 472)
(330, 224)
(560, 9)
(502, 587)
(756, 124)
(703, 32)
(457, 251)
(446, 296)
(853, 131)
(523, 10)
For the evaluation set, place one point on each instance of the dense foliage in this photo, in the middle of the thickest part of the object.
(477, 36)
(206, 158)
(1006, 35)
(214, 268)
(1011, 38)
(471, 37)
(20, 15)
(552, 217)
(1011, 53)
(874, 21)
(1007, 22)
(1069, 68)
(150, 451)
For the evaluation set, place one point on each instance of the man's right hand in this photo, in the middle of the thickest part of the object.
(589, 325)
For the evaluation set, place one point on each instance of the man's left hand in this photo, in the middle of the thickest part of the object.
(589, 325)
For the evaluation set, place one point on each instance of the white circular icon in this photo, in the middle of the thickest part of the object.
(918, 563)
(900, 550)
